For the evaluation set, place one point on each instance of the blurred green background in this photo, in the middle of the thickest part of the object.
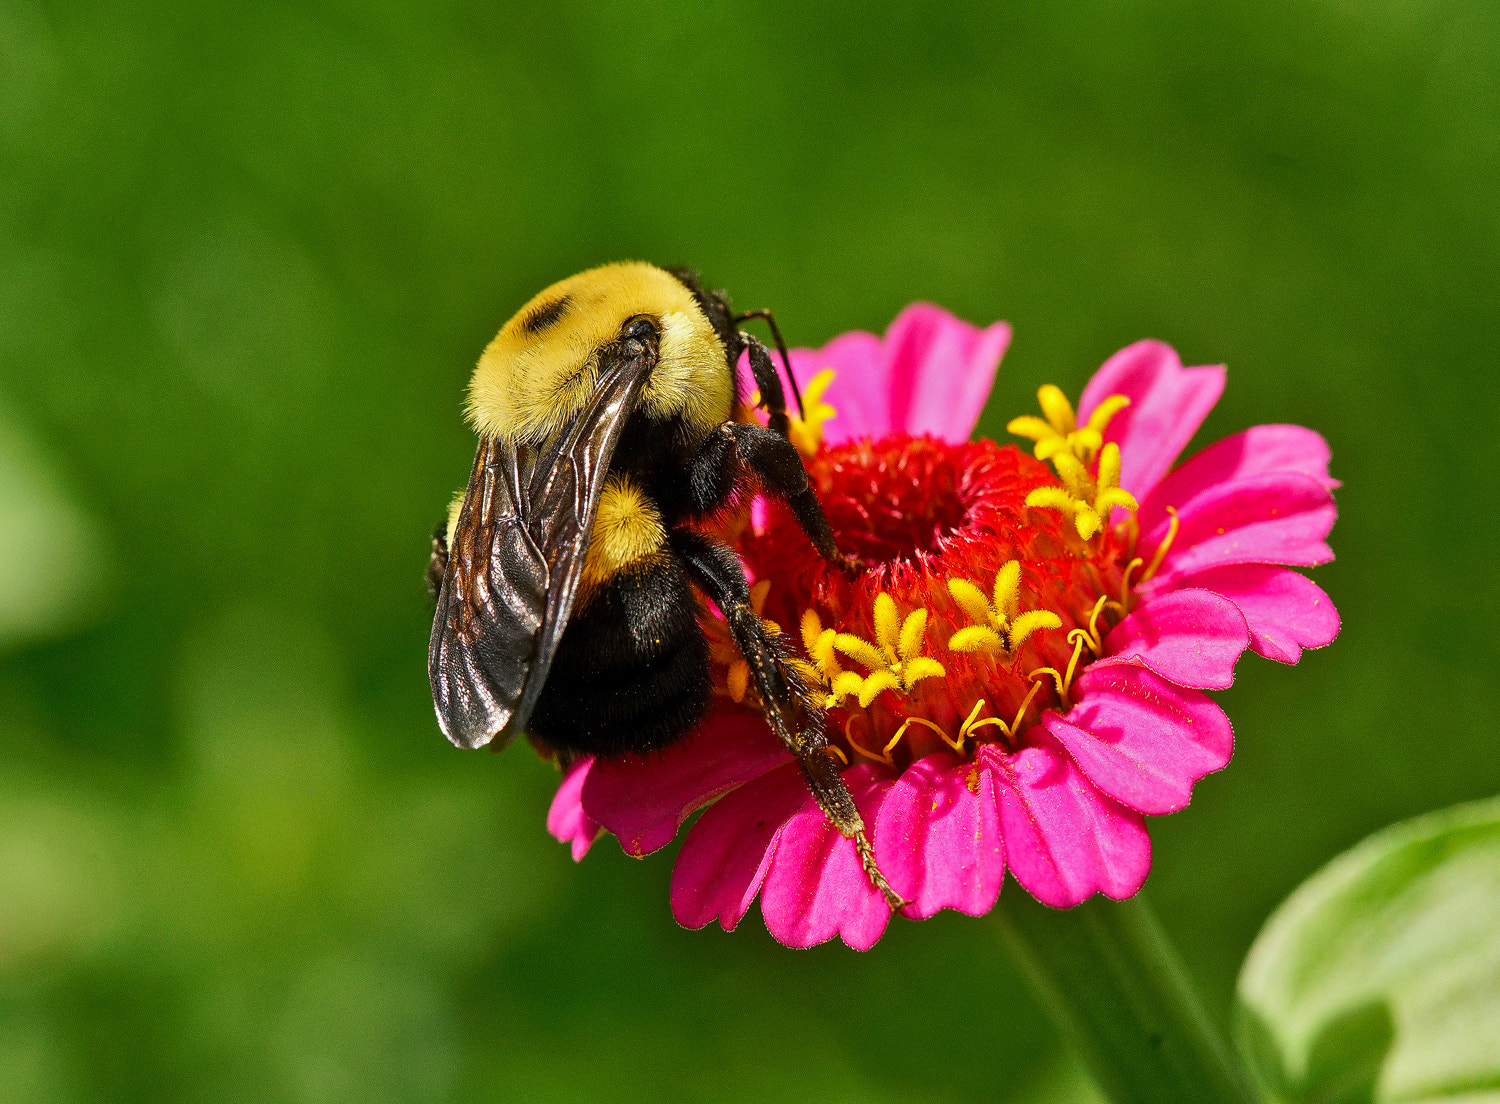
(248, 255)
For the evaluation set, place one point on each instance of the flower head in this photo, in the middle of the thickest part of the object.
(1018, 676)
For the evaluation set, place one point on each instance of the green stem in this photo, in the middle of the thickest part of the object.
(1114, 986)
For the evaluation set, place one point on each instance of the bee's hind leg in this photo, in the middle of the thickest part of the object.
(789, 703)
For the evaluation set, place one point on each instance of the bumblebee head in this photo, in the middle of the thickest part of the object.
(544, 364)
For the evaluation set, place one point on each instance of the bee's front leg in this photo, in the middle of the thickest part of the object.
(776, 463)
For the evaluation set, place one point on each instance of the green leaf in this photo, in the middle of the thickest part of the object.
(1378, 980)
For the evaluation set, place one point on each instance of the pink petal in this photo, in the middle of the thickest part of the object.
(1141, 740)
(1190, 637)
(858, 393)
(1273, 518)
(932, 373)
(566, 819)
(1064, 840)
(1167, 405)
(1286, 611)
(816, 887)
(644, 800)
(1258, 450)
(938, 838)
(726, 854)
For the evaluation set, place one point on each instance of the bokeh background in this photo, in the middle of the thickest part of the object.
(248, 254)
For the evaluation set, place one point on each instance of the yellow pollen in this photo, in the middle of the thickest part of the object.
(895, 660)
(807, 433)
(998, 625)
(1059, 432)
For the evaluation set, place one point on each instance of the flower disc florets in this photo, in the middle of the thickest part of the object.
(972, 604)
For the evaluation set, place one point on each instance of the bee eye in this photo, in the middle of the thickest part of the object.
(640, 329)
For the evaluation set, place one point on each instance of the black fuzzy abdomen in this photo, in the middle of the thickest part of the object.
(631, 670)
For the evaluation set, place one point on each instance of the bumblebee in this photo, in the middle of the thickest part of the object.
(565, 575)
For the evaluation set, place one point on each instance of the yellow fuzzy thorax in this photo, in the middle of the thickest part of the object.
(541, 368)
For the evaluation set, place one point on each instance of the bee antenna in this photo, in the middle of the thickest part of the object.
(786, 359)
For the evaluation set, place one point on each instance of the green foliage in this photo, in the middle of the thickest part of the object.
(1379, 979)
(248, 255)
(51, 562)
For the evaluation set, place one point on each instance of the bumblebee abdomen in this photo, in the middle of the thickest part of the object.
(631, 672)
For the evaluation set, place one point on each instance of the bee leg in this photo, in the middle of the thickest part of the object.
(771, 395)
(786, 358)
(777, 463)
(788, 701)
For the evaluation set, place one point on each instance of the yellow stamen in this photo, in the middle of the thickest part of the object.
(909, 644)
(738, 680)
(1059, 433)
(807, 433)
(857, 746)
(1087, 499)
(1057, 680)
(887, 623)
(976, 638)
(844, 684)
(1161, 549)
(970, 599)
(1057, 408)
(818, 643)
(812, 628)
(1105, 412)
(861, 651)
(1072, 667)
(1030, 622)
(1008, 588)
(971, 725)
(877, 682)
(1125, 583)
(1015, 725)
(998, 626)
(964, 729)
(957, 745)
(895, 661)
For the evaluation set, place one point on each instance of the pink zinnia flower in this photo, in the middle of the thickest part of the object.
(1017, 679)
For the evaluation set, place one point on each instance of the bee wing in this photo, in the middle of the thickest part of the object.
(513, 568)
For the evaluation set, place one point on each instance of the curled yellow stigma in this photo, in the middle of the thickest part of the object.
(894, 661)
(1059, 432)
(806, 432)
(998, 625)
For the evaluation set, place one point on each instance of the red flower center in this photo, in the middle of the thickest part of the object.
(939, 643)
(893, 499)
